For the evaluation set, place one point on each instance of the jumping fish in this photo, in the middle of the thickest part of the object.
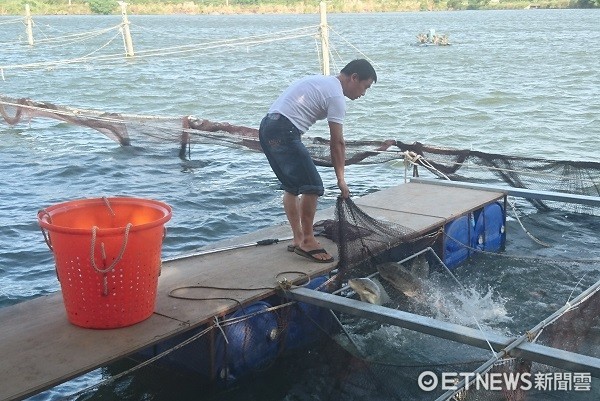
(369, 290)
(401, 278)
(366, 289)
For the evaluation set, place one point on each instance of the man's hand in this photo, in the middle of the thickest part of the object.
(344, 189)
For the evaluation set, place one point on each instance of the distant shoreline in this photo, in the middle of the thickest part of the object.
(83, 7)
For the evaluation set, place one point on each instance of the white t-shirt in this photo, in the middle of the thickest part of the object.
(310, 99)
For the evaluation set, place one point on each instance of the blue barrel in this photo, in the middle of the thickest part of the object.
(457, 241)
(303, 324)
(489, 234)
(252, 343)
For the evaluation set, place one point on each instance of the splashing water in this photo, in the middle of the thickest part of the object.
(470, 307)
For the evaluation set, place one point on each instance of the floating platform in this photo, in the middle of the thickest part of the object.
(41, 349)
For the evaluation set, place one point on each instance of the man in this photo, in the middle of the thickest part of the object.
(292, 114)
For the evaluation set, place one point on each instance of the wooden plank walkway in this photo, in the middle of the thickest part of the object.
(41, 349)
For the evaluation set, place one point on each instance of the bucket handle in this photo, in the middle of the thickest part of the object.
(107, 203)
(114, 263)
(44, 212)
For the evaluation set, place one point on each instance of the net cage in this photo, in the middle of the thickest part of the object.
(530, 290)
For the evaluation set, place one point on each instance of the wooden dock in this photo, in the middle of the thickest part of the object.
(41, 349)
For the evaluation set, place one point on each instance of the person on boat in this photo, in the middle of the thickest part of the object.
(431, 36)
(304, 102)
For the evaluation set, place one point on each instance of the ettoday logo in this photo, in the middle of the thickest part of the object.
(498, 381)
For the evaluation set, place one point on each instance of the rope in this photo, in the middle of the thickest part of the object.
(82, 59)
(107, 203)
(415, 159)
(115, 261)
(78, 36)
(283, 284)
(13, 21)
(514, 209)
(354, 48)
(116, 377)
(178, 50)
(412, 158)
(44, 212)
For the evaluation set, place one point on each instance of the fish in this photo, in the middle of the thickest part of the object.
(369, 290)
(401, 278)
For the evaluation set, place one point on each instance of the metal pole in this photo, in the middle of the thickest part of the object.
(324, 31)
(29, 25)
(518, 192)
(125, 30)
(268, 241)
(450, 331)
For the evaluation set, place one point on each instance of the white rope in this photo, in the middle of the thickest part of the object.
(14, 21)
(115, 261)
(353, 47)
(514, 209)
(311, 28)
(413, 158)
(203, 47)
(76, 37)
(226, 45)
(58, 63)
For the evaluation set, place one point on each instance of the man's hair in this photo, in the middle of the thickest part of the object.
(362, 67)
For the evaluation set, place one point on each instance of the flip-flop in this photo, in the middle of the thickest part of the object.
(310, 254)
(291, 248)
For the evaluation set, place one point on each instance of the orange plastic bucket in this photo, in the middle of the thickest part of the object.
(108, 257)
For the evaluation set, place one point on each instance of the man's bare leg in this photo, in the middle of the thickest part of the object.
(291, 206)
(308, 208)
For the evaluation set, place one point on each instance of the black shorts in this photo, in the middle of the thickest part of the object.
(288, 157)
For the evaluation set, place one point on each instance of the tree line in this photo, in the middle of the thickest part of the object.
(16, 7)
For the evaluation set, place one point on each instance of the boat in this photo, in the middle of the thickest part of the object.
(432, 38)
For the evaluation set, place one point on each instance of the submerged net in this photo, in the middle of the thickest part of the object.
(567, 176)
(576, 328)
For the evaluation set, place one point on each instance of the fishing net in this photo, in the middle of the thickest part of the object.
(364, 241)
(576, 329)
(568, 176)
(127, 129)
(573, 328)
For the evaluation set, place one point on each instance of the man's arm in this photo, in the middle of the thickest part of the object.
(338, 156)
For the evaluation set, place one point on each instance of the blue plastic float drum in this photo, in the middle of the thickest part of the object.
(489, 233)
(457, 241)
(481, 230)
(306, 323)
(248, 344)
